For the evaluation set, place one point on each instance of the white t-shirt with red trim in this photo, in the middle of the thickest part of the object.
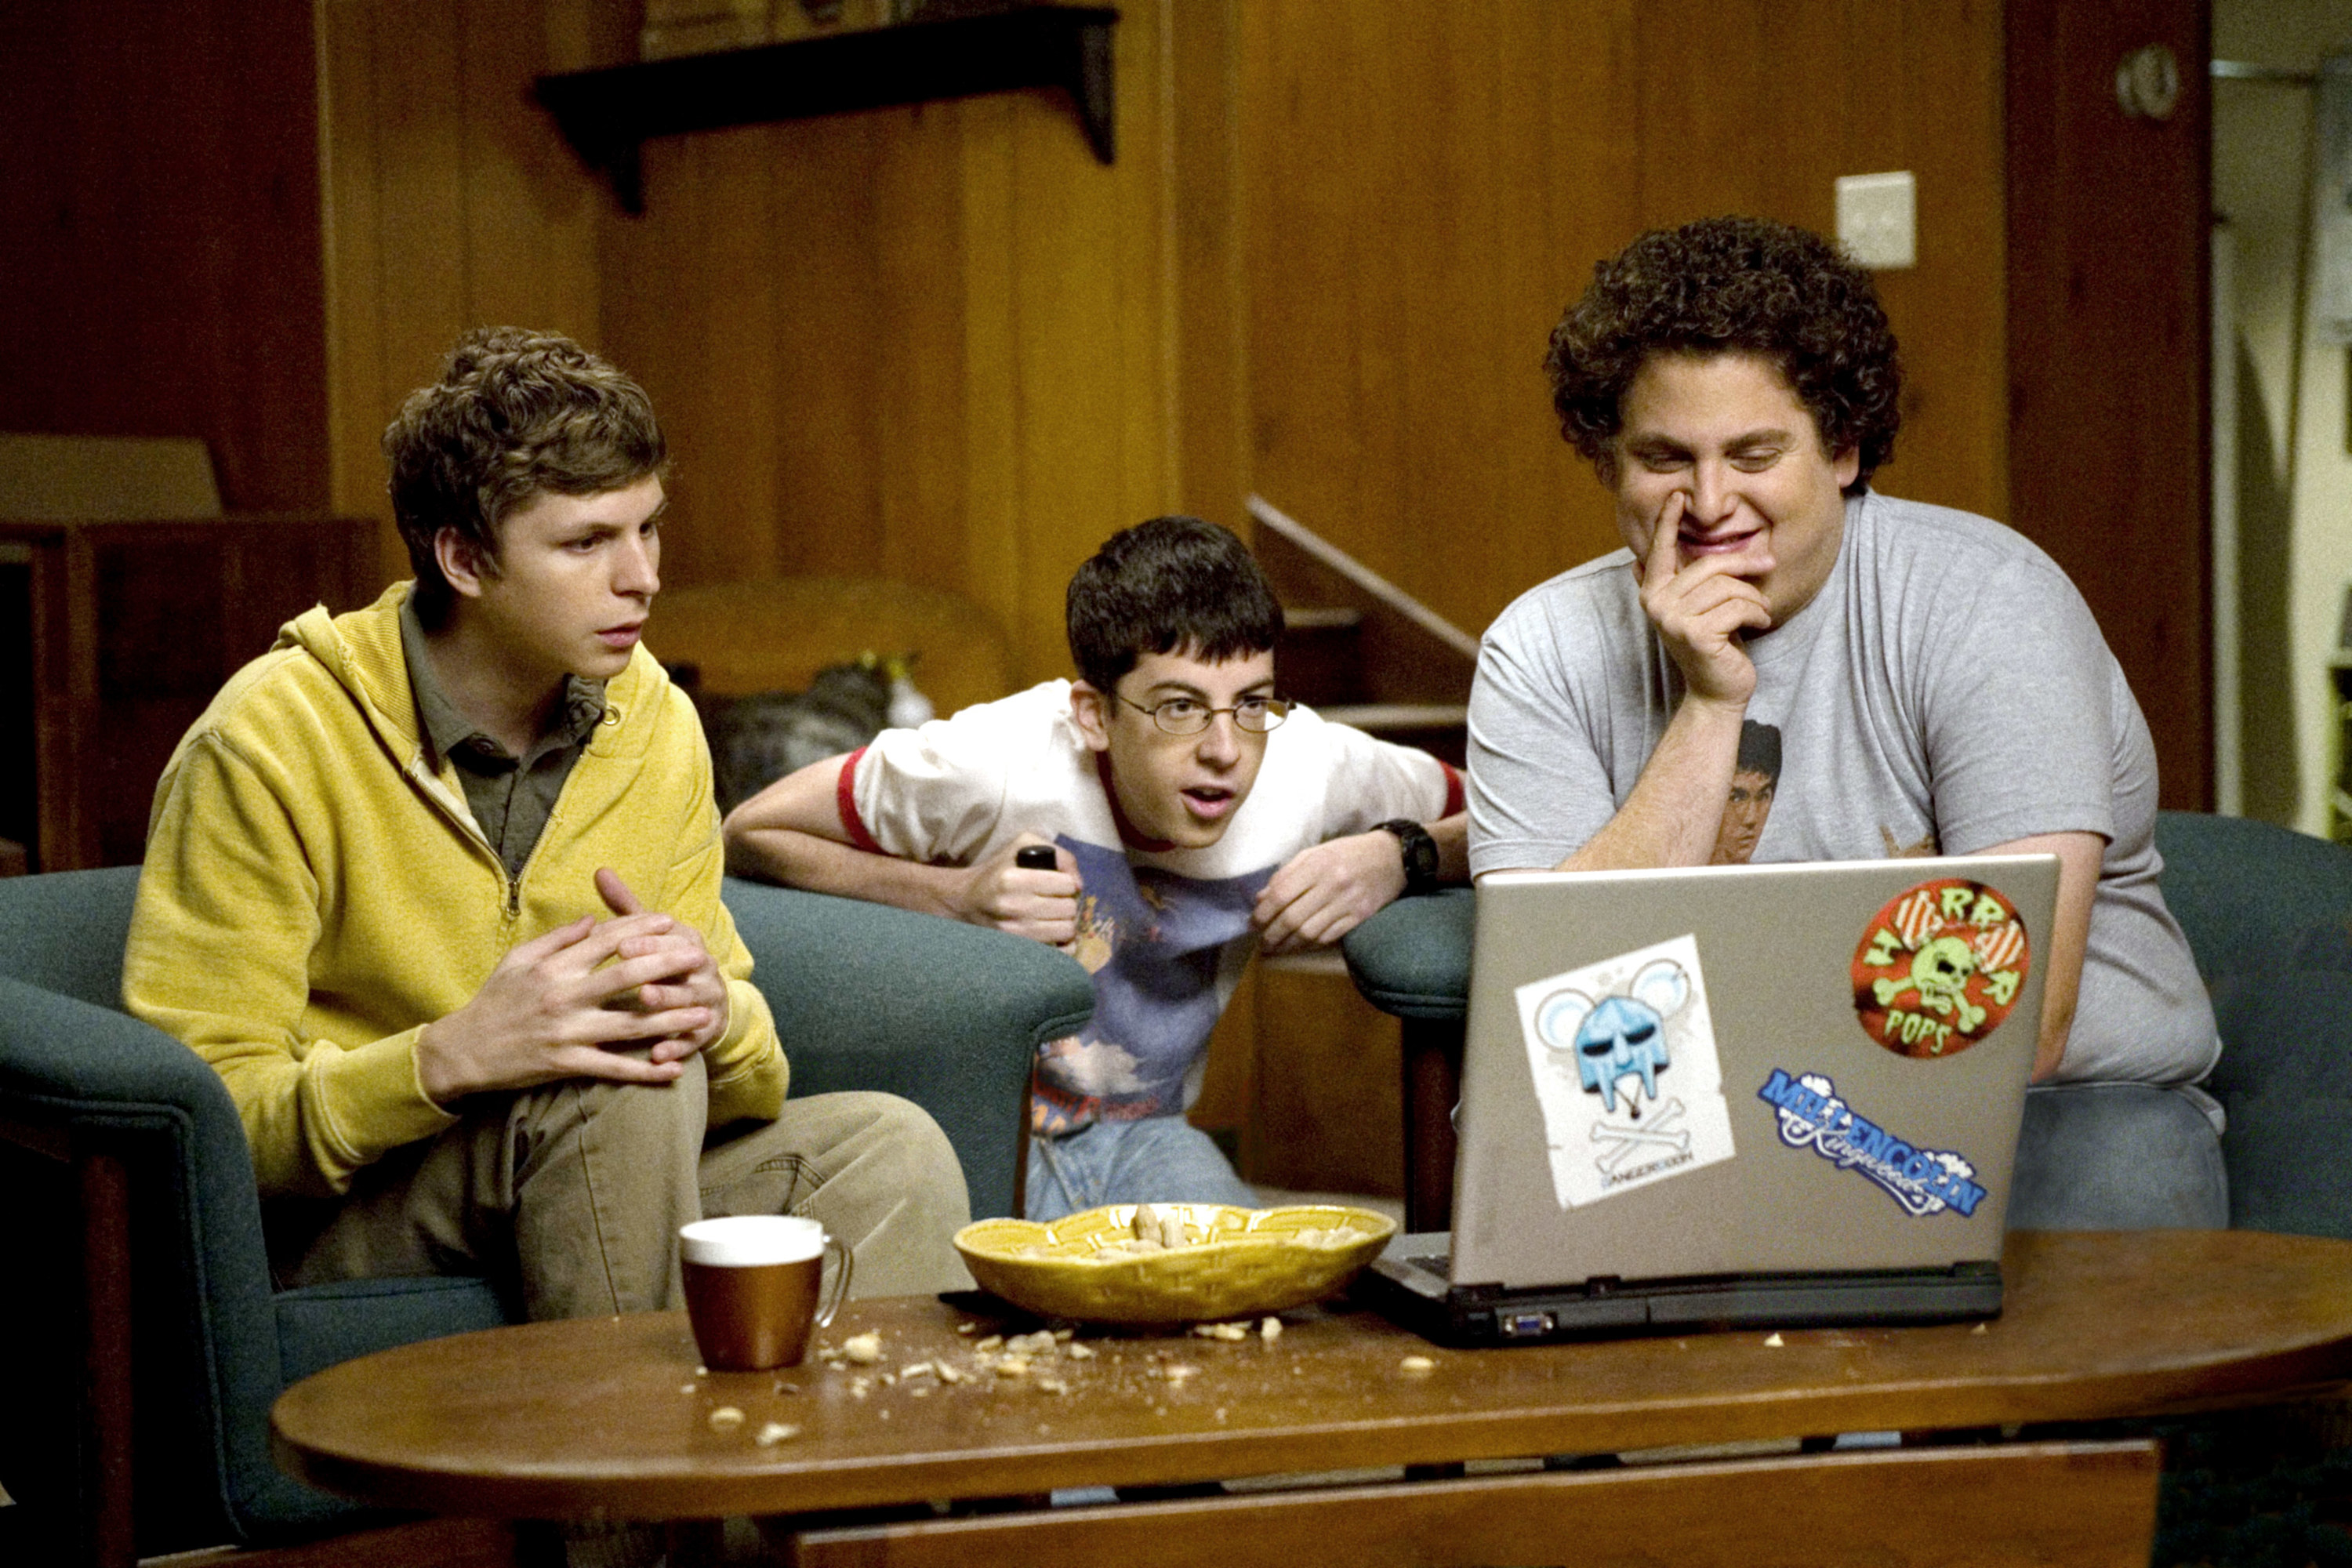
(1165, 931)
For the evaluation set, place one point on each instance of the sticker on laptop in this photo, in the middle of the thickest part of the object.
(1939, 967)
(1626, 1072)
(1924, 1181)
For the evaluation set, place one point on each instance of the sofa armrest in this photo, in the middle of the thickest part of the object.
(2253, 897)
(63, 931)
(1413, 958)
(106, 1081)
(948, 1015)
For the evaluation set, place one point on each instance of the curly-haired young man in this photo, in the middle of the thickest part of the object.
(434, 886)
(1934, 682)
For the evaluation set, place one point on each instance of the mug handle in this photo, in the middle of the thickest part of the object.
(840, 1291)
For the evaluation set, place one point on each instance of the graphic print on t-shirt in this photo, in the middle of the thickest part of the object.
(1755, 778)
(1924, 848)
(1155, 942)
(1626, 1071)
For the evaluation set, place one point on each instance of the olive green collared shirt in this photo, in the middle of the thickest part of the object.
(512, 796)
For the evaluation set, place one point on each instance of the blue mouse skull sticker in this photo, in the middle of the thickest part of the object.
(1623, 1058)
(1618, 1036)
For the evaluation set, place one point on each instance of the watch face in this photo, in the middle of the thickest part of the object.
(1419, 852)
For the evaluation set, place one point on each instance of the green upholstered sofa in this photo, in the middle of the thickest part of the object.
(2267, 912)
(125, 1167)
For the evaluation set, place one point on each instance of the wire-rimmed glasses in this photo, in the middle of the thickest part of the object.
(1190, 716)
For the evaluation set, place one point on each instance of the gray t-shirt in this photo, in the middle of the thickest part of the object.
(1946, 691)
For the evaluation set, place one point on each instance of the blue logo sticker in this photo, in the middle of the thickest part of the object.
(1924, 1181)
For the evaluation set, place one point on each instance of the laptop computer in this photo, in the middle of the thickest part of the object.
(1781, 1095)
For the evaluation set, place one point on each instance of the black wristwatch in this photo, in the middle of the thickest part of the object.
(1420, 854)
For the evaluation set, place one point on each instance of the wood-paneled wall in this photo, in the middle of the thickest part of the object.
(1427, 187)
(2108, 403)
(160, 268)
(942, 344)
(449, 202)
(936, 343)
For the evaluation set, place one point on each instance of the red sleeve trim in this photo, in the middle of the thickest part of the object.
(1456, 799)
(844, 795)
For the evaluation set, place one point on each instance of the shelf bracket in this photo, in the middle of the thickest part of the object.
(608, 115)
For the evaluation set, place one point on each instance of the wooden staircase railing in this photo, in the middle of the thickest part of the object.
(1314, 1072)
(1358, 648)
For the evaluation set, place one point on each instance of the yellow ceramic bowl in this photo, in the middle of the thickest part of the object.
(1237, 1262)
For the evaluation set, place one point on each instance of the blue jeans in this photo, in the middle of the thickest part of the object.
(1159, 1159)
(2117, 1156)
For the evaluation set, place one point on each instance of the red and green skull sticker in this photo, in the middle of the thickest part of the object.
(1939, 967)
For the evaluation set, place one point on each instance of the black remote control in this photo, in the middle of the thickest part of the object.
(1035, 857)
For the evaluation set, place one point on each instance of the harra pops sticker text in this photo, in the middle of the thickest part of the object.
(1938, 968)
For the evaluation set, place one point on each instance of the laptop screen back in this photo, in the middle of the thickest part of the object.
(1747, 1069)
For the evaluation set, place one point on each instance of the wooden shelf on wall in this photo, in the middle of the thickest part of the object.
(608, 115)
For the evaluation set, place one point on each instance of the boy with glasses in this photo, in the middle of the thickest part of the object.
(1175, 813)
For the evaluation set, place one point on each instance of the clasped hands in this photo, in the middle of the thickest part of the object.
(558, 1006)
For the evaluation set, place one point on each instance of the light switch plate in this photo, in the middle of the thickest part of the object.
(1878, 218)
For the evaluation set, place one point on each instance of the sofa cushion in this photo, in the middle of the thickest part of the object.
(2285, 1078)
(320, 1326)
(948, 1015)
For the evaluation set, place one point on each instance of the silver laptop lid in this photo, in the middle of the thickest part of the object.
(1747, 1069)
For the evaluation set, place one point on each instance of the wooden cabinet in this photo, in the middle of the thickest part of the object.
(113, 635)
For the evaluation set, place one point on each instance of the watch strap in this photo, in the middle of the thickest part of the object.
(1419, 848)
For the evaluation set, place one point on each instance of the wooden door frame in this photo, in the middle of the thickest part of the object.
(2110, 284)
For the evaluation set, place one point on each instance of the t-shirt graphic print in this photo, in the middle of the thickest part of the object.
(1156, 942)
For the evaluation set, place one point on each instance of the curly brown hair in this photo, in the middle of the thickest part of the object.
(517, 414)
(1732, 285)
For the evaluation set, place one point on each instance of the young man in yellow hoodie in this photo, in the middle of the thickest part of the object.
(435, 887)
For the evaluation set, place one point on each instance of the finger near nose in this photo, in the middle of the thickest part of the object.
(1668, 522)
(1711, 494)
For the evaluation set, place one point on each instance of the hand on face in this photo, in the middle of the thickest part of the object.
(1323, 893)
(1700, 606)
(1039, 904)
(1731, 501)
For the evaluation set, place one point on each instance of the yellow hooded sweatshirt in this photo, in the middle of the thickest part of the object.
(314, 893)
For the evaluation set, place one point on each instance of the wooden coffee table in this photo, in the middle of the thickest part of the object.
(609, 1416)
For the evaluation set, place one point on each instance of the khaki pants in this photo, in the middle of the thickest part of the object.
(571, 1194)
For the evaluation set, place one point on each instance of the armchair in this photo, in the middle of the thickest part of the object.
(2268, 914)
(122, 1150)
